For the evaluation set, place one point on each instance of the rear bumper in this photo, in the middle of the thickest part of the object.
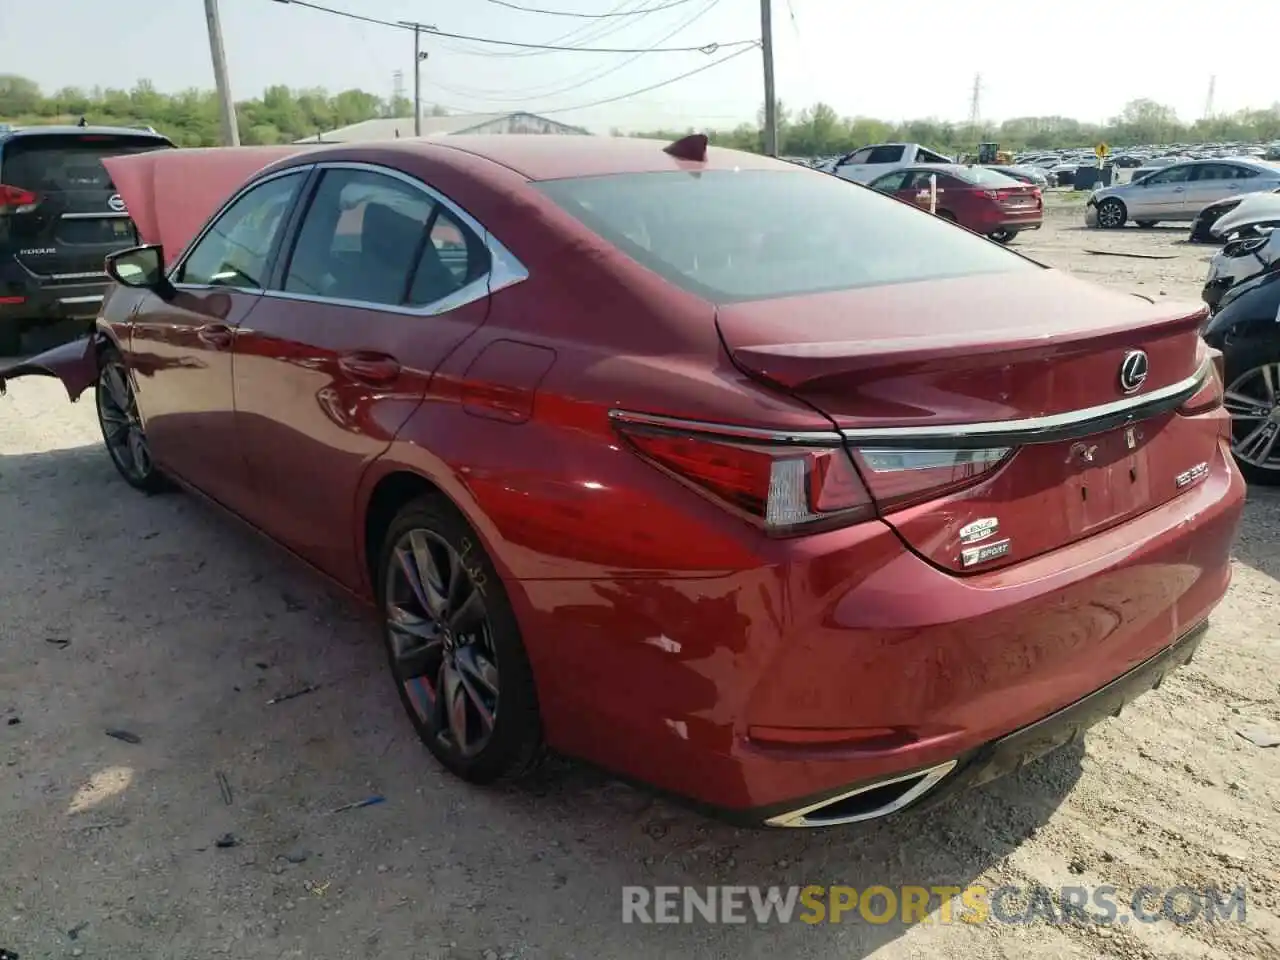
(992, 760)
(34, 298)
(856, 661)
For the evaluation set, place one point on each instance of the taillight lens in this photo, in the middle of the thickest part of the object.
(900, 478)
(17, 200)
(1209, 396)
(788, 490)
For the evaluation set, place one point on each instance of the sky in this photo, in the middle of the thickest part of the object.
(865, 59)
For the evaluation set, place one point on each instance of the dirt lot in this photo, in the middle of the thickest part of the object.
(162, 618)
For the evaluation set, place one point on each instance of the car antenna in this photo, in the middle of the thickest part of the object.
(692, 147)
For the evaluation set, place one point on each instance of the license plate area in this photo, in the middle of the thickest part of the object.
(1107, 479)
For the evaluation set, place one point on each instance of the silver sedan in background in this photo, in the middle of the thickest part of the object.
(1178, 191)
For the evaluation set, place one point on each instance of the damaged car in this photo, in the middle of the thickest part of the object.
(730, 476)
(1202, 227)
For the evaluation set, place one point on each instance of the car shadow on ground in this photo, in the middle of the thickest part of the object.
(182, 625)
(1262, 513)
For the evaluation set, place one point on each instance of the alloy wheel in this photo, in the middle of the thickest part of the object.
(122, 428)
(441, 641)
(1110, 214)
(1251, 399)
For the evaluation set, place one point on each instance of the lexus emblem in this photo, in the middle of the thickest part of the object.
(1133, 371)
(116, 203)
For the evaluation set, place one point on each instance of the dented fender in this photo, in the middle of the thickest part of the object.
(74, 363)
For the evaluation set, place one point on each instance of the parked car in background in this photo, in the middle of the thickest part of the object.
(60, 215)
(978, 198)
(750, 484)
(1177, 192)
(867, 163)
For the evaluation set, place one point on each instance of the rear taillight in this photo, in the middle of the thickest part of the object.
(17, 200)
(1209, 396)
(900, 478)
(789, 489)
(786, 489)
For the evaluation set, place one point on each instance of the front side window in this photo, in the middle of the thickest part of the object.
(739, 235)
(236, 250)
(376, 239)
(1170, 175)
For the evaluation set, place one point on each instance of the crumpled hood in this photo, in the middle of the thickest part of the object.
(170, 194)
(1260, 207)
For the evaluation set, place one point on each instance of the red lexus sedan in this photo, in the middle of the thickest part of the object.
(728, 475)
(983, 200)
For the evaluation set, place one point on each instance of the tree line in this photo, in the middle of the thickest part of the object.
(282, 115)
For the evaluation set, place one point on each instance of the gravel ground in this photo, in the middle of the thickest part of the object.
(160, 617)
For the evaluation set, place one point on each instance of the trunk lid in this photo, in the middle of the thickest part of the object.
(79, 216)
(988, 413)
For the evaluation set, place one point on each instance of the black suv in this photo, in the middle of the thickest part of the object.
(60, 216)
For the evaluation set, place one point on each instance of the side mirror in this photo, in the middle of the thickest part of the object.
(138, 267)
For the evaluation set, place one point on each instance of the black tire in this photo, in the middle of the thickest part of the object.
(10, 338)
(1003, 236)
(1146, 224)
(117, 411)
(1112, 214)
(512, 746)
(948, 216)
(1244, 359)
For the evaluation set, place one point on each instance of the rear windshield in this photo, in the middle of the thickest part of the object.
(988, 178)
(759, 234)
(57, 163)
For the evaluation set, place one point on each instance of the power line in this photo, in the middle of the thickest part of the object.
(573, 83)
(635, 93)
(585, 31)
(707, 48)
(585, 16)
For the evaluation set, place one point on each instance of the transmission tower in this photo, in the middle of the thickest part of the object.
(1208, 101)
(975, 104)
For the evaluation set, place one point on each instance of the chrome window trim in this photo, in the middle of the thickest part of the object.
(1048, 429)
(505, 269)
(113, 215)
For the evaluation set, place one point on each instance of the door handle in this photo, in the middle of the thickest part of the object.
(215, 334)
(1179, 189)
(376, 369)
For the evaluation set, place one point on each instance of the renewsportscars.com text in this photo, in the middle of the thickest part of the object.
(975, 904)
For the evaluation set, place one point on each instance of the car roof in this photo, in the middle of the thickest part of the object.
(67, 129)
(563, 156)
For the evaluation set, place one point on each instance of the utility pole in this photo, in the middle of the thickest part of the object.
(770, 98)
(418, 57)
(1208, 101)
(230, 129)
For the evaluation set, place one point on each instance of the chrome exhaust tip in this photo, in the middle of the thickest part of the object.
(865, 803)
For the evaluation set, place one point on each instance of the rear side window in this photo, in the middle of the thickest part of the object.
(758, 234)
(375, 239)
(886, 155)
(66, 163)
